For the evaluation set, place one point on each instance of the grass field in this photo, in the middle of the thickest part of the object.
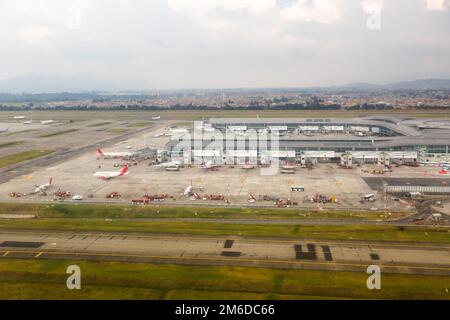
(374, 233)
(118, 130)
(139, 125)
(46, 279)
(184, 124)
(10, 144)
(14, 133)
(22, 156)
(57, 133)
(128, 212)
(100, 124)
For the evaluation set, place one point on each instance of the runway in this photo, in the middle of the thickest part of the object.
(412, 258)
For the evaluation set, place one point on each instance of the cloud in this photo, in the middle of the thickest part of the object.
(316, 11)
(35, 33)
(200, 7)
(234, 15)
(221, 16)
(437, 5)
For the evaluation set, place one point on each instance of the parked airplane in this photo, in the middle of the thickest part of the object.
(118, 154)
(369, 196)
(110, 175)
(248, 166)
(44, 187)
(4, 129)
(168, 164)
(188, 191)
(28, 122)
(156, 118)
(210, 165)
(45, 122)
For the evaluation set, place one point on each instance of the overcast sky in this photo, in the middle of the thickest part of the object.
(161, 44)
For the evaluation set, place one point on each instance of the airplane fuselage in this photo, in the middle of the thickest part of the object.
(117, 154)
(108, 175)
(169, 164)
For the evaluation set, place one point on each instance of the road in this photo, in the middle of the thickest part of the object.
(412, 258)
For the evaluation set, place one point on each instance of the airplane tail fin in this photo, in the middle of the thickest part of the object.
(124, 170)
(100, 151)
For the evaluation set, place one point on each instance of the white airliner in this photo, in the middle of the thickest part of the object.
(168, 164)
(118, 154)
(28, 122)
(188, 191)
(110, 175)
(43, 187)
(156, 118)
(248, 166)
(46, 122)
(210, 165)
(369, 196)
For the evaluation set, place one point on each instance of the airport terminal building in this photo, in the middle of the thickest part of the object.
(382, 140)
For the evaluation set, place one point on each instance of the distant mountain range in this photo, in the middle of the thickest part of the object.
(423, 84)
(53, 83)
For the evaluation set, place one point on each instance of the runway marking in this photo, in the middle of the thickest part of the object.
(308, 255)
(213, 259)
(327, 253)
(39, 254)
